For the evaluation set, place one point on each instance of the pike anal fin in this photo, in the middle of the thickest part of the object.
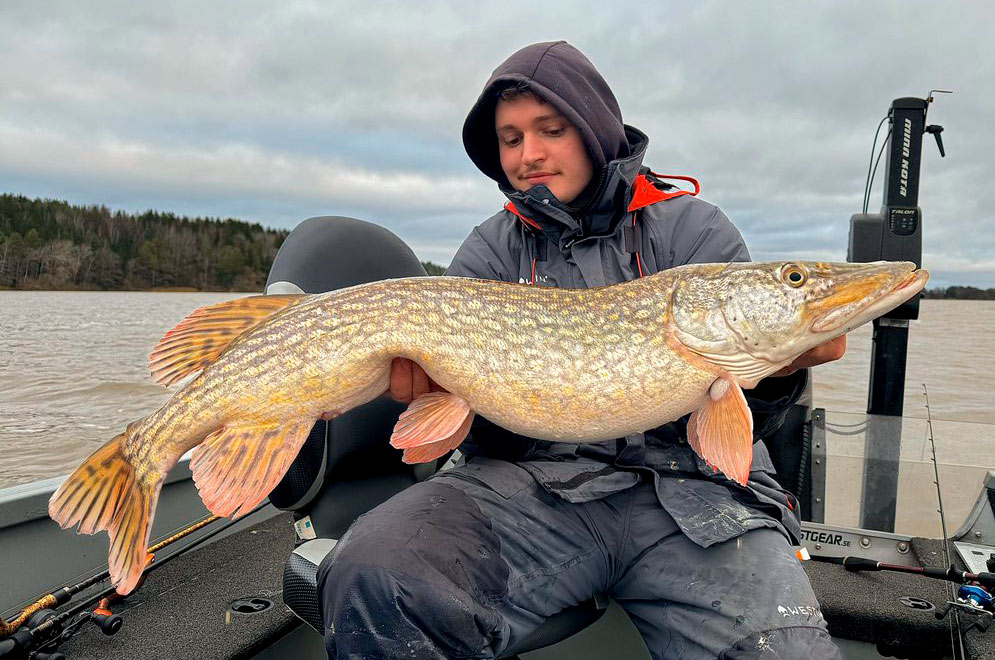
(107, 493)
(433, 424)
(721, 431)
(200, 338)
(237, 466)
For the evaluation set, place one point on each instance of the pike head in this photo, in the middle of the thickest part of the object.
(755, 318)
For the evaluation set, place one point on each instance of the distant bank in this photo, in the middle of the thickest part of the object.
(961, 293)
(53, 245)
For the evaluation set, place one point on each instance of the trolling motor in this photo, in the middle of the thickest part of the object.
(893, 234)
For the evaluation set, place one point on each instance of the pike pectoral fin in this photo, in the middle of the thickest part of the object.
(236, 467)
(432, 425)
(721, 431)
(200, 338)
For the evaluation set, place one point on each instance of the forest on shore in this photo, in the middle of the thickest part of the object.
(961, 293)
(51, 244)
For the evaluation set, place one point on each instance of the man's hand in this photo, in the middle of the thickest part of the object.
(831, 350)
(408, 381)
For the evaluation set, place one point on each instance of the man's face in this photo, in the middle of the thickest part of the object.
(538, 145)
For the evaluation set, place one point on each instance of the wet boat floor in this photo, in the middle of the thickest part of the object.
(183, 609)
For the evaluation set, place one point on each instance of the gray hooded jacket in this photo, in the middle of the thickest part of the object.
(539, 240)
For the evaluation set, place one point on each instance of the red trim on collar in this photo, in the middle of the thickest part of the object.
(511, 208)
(645, 193)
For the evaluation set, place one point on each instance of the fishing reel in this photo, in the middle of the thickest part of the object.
(45, 630)
(38, 630)
(973, 600)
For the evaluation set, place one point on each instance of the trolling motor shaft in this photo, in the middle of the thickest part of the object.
(893, 234)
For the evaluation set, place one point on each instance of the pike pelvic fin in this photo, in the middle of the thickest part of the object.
(721, 431)
(106, 492)
(201, 337)
(237, 467)
(433, 424)
(429, 452)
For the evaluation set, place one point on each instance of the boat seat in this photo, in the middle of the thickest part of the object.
(347, 466)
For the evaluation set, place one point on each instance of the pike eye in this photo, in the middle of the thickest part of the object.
(794, 275)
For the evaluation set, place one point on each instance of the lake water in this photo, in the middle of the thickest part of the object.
(73, 373)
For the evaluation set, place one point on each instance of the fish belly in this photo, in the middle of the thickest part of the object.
(600, 395)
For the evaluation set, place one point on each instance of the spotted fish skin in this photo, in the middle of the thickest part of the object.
(566, 365)
(549, 363)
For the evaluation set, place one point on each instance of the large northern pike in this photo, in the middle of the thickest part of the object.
(567, 365)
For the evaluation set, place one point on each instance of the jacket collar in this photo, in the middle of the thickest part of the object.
(540, 209)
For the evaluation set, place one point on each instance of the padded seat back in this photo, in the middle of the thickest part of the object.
(324, 254)
(347, 466)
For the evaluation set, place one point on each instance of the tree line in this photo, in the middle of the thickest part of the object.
(961, 293)
(50, 244)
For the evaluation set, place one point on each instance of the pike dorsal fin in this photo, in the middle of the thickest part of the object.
(200, 338)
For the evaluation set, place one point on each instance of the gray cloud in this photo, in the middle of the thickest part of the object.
(274, 112)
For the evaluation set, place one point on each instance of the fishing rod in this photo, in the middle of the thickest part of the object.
(973, 597)
(37, 628)
(857, 564)
(970, 595)
(62, 595)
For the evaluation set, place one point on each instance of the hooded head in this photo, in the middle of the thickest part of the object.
(563, 77)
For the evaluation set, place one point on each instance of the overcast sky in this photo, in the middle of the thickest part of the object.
(277, 111)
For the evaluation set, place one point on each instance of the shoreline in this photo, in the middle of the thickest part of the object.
(190, 289)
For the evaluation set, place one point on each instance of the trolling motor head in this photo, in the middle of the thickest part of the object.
(895, 233)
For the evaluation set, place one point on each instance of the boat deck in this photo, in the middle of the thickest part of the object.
(182, 610)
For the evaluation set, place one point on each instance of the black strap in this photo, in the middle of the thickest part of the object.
(632, 235)
(629, 236)
(539, 245)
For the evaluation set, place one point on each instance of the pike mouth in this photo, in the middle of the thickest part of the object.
(920, 277)
(867, 298)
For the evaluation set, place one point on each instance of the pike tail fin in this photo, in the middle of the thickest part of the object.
(106, 493)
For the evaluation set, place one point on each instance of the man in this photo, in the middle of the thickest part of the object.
(468, 563)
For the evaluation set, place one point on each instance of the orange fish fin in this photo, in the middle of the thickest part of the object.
(721, 431)
(200, 338)
(434, 450)
(426, 453)
(237, 467)
(431, 418)
(106, 493)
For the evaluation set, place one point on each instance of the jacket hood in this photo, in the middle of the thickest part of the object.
(565, 78)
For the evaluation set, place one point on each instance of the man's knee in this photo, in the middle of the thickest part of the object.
(784, 644)
(403, 581)
(376, 611)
